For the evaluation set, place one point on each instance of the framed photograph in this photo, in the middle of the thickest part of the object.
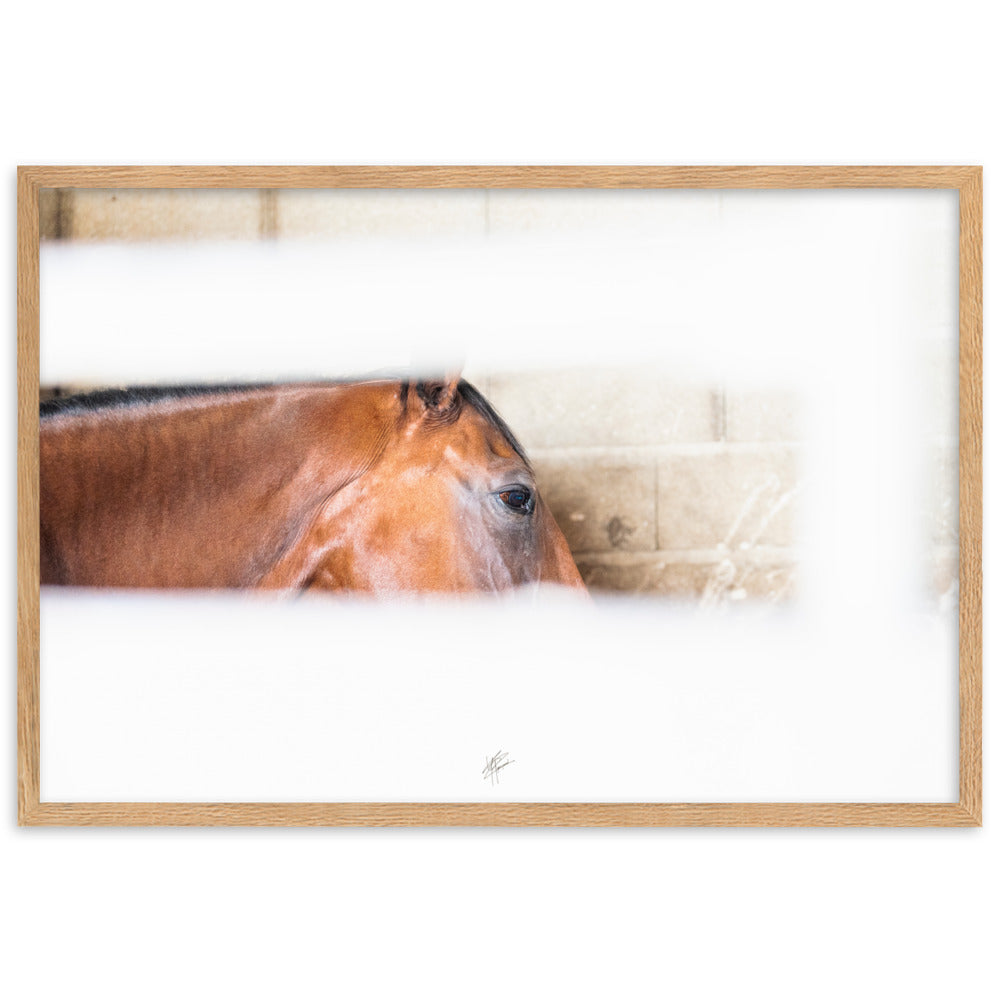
(565, 496)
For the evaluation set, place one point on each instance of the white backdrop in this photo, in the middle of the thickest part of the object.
(499, 913)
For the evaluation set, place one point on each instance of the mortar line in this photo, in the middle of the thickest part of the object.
(656, 503)
(689, 448)
(268, 227)
(63, 209)
(760, 556)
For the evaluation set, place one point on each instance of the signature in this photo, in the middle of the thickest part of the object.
(494, 765)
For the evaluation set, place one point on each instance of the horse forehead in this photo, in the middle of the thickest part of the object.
(470, 438)
(475, 435)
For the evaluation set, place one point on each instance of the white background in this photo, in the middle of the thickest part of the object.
(777, 913)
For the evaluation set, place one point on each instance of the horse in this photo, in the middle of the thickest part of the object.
(379, 487)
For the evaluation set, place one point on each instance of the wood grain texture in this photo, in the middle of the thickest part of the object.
(970, 495)
(966, 812)
(28, 747)
(500, 814)
(501, 177)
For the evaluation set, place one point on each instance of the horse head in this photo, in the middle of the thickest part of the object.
(450, 505)
(379, 487)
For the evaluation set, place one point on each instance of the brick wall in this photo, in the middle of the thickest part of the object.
(661, 487)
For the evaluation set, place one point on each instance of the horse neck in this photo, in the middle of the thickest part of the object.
(214, 430)
(173, 480)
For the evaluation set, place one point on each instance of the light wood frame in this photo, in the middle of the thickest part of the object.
(967, 811)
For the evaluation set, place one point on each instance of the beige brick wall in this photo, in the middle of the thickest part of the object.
(152, 214)
(123, 214)
(327, 214)
(652, 495)
(193, 214)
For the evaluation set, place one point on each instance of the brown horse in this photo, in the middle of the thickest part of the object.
(381, 487)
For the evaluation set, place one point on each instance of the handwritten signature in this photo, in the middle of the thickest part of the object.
(494, 765)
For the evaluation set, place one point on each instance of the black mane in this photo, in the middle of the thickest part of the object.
(144, 395)
(136, 395)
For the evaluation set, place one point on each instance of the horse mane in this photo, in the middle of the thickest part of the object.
(145, 395)
(136, 395)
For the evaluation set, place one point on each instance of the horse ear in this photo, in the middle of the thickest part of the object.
(439, 395)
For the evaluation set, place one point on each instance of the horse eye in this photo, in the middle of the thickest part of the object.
(517, 498)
